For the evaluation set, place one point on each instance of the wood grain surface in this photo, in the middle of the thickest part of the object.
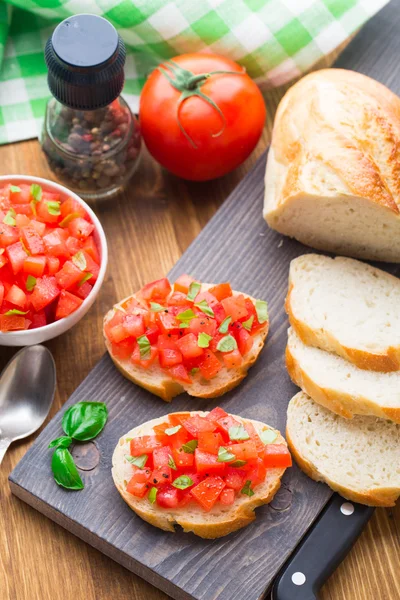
(151, 225)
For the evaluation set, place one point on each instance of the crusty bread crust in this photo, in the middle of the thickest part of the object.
(379, 496)
(159, 383)
(340, 403)
(221, 520)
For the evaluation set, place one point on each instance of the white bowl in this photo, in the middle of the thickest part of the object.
(42, 334)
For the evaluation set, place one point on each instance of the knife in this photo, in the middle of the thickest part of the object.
(321, 550)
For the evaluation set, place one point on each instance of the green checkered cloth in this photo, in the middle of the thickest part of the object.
(275, 40)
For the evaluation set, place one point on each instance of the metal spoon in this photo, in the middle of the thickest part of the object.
(27, 387)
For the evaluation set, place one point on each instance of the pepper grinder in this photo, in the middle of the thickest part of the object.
(90, 137)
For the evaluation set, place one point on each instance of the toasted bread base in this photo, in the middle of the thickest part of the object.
(156, 381)
(221, 520)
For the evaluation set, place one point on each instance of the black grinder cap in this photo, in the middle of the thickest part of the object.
(85, 57)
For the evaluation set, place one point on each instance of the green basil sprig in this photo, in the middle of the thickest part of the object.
(81, 422)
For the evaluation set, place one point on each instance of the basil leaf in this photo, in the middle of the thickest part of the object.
(194, 289)
(249, 323)
(190, 447)
(223, 328)
(238, 433)
(194, 370)
(155, 307)
(186, 316)
(172, 430)
(227, 344)
(53, 207)
(153, 495)
(36, 192)
(205, 308)
(9, 219)
(65, 471)
(79, 260)
(138, 461)
(171, 463)
(15, 189)
(268, 436)
(61, 442)
(85, 278)
(182, 482)
(246, 489)
(184, 325)
(262, 311)
(203, 340)
(15, 311)
(144, 347)
(84, 420)
(224, 455)
(238, 463)
(30, 283)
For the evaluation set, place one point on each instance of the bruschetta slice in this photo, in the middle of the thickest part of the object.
(204, 471)
(192, 336)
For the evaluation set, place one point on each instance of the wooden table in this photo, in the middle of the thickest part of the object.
(148, 229)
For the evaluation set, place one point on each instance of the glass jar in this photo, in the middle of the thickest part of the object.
(90, 137)
(94, 153)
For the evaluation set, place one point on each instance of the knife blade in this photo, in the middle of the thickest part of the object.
(321, 550)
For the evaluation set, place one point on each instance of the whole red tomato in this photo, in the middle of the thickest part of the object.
(198, 122)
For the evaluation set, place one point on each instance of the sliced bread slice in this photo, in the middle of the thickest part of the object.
(220, 520)
(345, 306)
(359, 458)
(156, 380)
(339, 385)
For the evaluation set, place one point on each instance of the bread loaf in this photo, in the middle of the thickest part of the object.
(333, 171)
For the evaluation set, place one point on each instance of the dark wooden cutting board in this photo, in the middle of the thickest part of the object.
(236, 245)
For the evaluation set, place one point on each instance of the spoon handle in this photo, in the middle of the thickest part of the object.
(4, 444)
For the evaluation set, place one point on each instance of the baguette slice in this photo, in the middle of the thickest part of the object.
(339, 385)
(358, 458)
(155, 380)
(348, 307)
(221, 520)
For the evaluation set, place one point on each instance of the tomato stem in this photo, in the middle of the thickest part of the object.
(189, 85)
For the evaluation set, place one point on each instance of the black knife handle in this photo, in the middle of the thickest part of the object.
(322, 549)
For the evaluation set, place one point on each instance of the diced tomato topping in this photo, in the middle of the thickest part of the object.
(182, 284)
(235, 307)
(233, 359)
(32, 240)
(138, 485)
(53, 264)
(144, 445)
(226, 422)
(12, 322)
(21, 221)
(68, 276)
(257, 473)
(124, 349)
(210, 442)
(38, 320)
(162, 456)
(243, 450)
(67, 304)
(1, 293)
(161, 475)
(168, 323)
(169, 358)
(43, 214)
(277, 456)
(196, 424)
(216, 413)
(144, 362)
(16, 296)
(90, 248)
(209, 365)
(235, 478)
(189, 347)
(179, 373)
(249, 427)
(55, 245)
(208, 297)
(152, 334)
(133, 325)
(156, 290)
(219, 313)
(208, 463)
(72, 207)
(244, 341)
(38, 226)
(221, 291)
(178, 299)
(227, 497)
(34, 265)
(8, 235)
(45, 291)
(207, 492)
(80, 228)
(72, 245)
(203, 324)
(168, 497)
(16, 255)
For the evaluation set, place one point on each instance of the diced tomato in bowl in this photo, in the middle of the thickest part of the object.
(53, 257)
